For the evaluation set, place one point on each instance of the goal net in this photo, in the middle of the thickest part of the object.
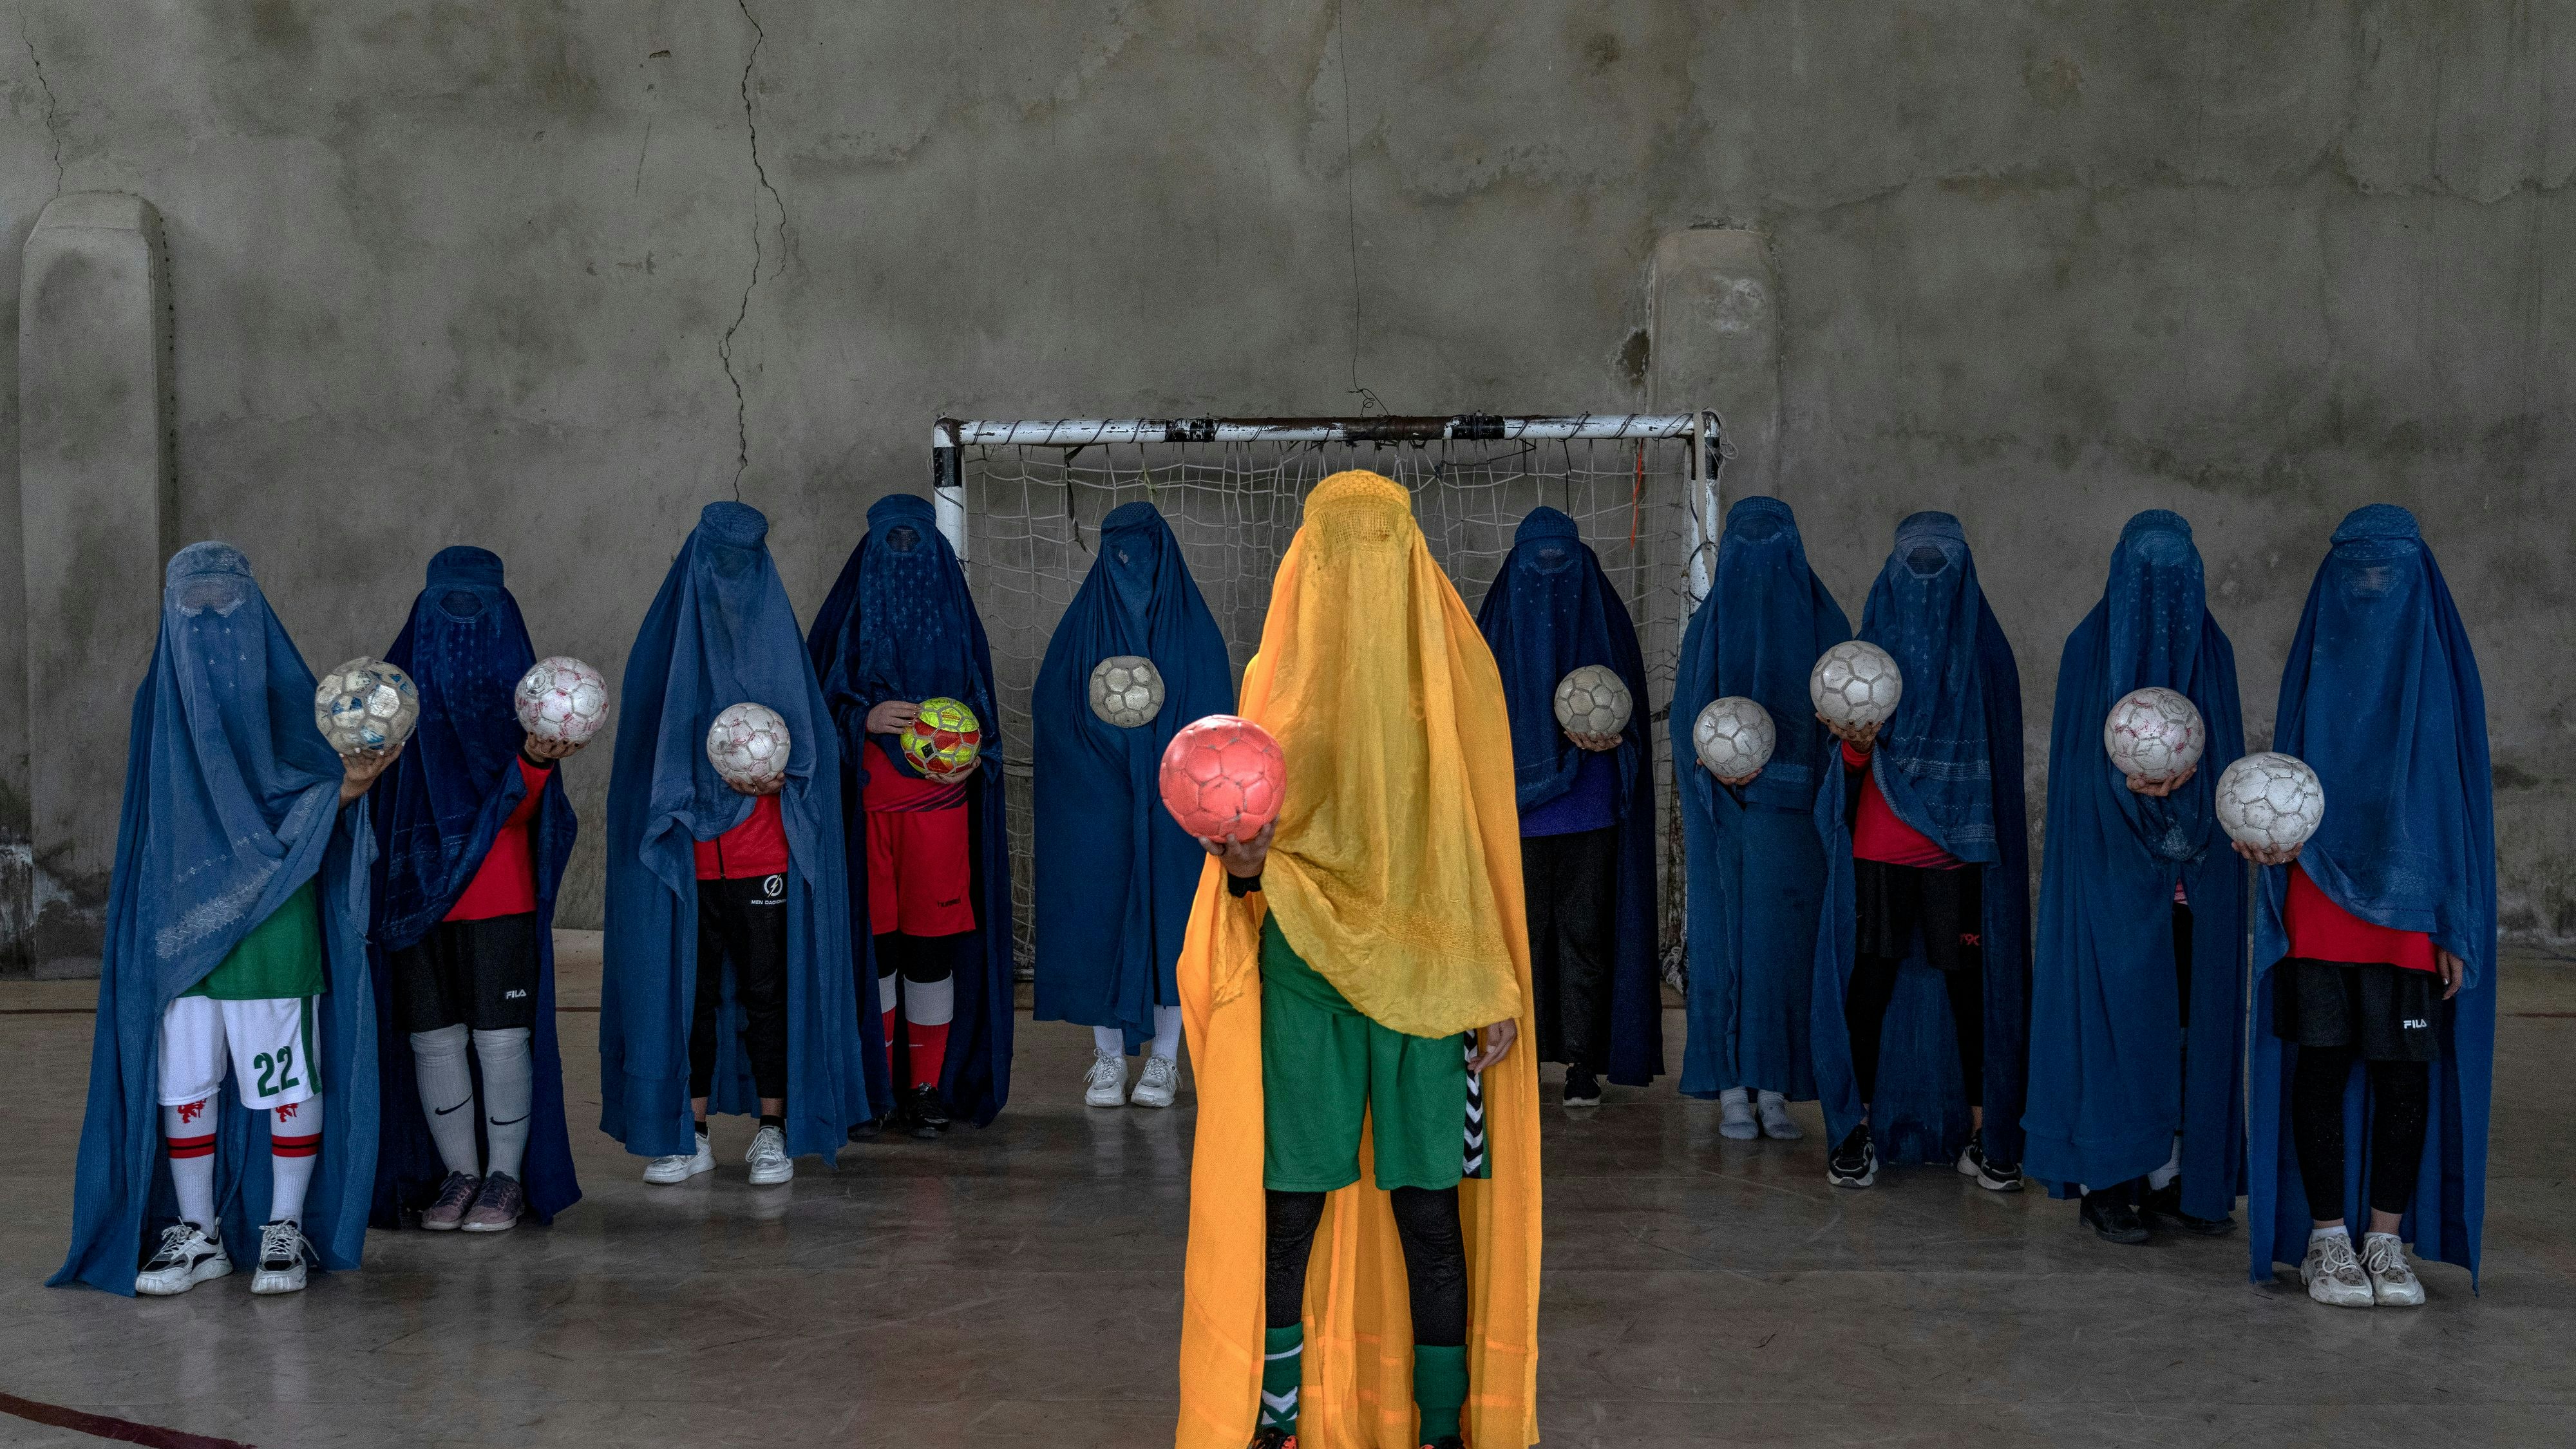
(1022, 504)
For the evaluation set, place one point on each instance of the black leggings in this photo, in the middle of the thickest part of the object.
(1873, 985)
(1435, 1259)
(2399, 1093)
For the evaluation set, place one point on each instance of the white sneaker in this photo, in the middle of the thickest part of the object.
(1105, 1085)
(2393, 1283)
(1776, 1122)
(680, 1167)
(186, 1258)
(2333, 1274)
(768, 1160)
(1159, 1081)
(1735, 1115)
(282, 1251)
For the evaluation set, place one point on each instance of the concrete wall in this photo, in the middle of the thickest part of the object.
(548, 275)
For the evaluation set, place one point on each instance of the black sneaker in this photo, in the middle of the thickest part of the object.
(924, 1115)
(1855, 1163)
(2109, 1215)
(1992, 1176)
(1582, 1089)
(2164, 1205)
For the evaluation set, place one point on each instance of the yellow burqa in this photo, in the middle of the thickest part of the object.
(1396, 873)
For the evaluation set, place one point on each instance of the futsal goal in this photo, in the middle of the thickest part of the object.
(1022, 503)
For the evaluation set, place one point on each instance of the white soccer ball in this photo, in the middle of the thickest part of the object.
(2154, 734)
(1856, 683)
(748, 744)
(2270, 801)
(1593, 701)
(1734, 736)
(365, 704)
(1126, 691)
(562, 699)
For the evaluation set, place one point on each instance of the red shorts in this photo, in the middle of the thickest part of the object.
(920, 881)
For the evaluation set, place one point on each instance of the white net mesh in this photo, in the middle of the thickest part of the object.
(1033, 517)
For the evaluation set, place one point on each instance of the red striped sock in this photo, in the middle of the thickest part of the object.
(183, 1148)
(294, 1146)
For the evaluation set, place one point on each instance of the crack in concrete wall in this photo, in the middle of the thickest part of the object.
(742, 311)
(53, 109)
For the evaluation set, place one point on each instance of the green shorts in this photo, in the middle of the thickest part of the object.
(1325, 1068)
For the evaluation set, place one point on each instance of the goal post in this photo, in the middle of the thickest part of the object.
(1022, 501)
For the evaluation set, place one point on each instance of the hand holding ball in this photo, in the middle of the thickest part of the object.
(944, 738)
(561, 699)
(748, 744)
(1223, 777)
(2269, 804)
(366, 705)
(2154, 735)
(1593, 700)
(1734, 737)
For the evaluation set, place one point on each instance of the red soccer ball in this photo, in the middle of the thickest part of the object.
(1223, 776)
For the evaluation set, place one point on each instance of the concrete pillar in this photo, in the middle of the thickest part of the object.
(1713, 328)
(95, 482)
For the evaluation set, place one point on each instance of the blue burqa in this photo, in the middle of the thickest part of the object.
(1115, 874)
(1756, 868)
(1949, 763)
(437, 811)
(719, 633)
(2109, 1086)
(1552, 611)
(2381, 698)
(900, 625)
(232, 803)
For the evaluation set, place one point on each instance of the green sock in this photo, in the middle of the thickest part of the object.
(1439, 1388)
(1283, 1360)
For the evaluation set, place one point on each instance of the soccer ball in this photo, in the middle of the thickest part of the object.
(944, 738)
(365, 704)
(561, 699)
(2270, 801)
(2154, 734)
(1223, 776)
(1856, 683)
(1734, 736)
(1126, 691)
(1593, 701)
(748, 744)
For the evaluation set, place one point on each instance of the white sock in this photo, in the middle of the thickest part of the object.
(930, 1003)
(1735, 1097)
(886, 988)
(509, 1094)
(1167, 1031)
(1771, 1099)
(1109, 1039)
(446, 1094)
(2337, 1231)
(2172, 1169)
(193, 1176)
(290, 1171)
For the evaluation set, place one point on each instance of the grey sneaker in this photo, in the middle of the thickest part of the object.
(1105, 1085)
(282, 1251)
(2333, 1274)
(768, 1160)
(498, 1205)
(1776, 1122)
(455, 1196)
(1735, 1115)
(186, 1258)
(2393, 1283)
(1158, 1084)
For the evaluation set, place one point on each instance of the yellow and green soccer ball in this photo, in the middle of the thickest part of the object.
(944, 738)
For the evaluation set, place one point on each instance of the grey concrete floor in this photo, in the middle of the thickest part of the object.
(1021, 1286)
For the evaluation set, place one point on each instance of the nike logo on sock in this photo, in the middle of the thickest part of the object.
(513, 1122)
(443, 1111)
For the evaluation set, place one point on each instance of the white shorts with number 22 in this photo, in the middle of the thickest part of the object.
(270, 1043)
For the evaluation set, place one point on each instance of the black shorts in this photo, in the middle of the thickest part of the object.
(480, 974)
(2387, 1013)
(1893, 901)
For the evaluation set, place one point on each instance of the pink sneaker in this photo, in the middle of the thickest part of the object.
(454, 1196)
(496, 1209)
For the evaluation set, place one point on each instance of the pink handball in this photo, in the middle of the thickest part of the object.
(1223, 776)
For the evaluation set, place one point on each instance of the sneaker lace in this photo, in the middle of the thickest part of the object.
(768, 1146)
(1158, 1070)
(2385, 1258)
(282, 1242)
(2339, 1261)
(174, 1244)
(1105, 1062)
